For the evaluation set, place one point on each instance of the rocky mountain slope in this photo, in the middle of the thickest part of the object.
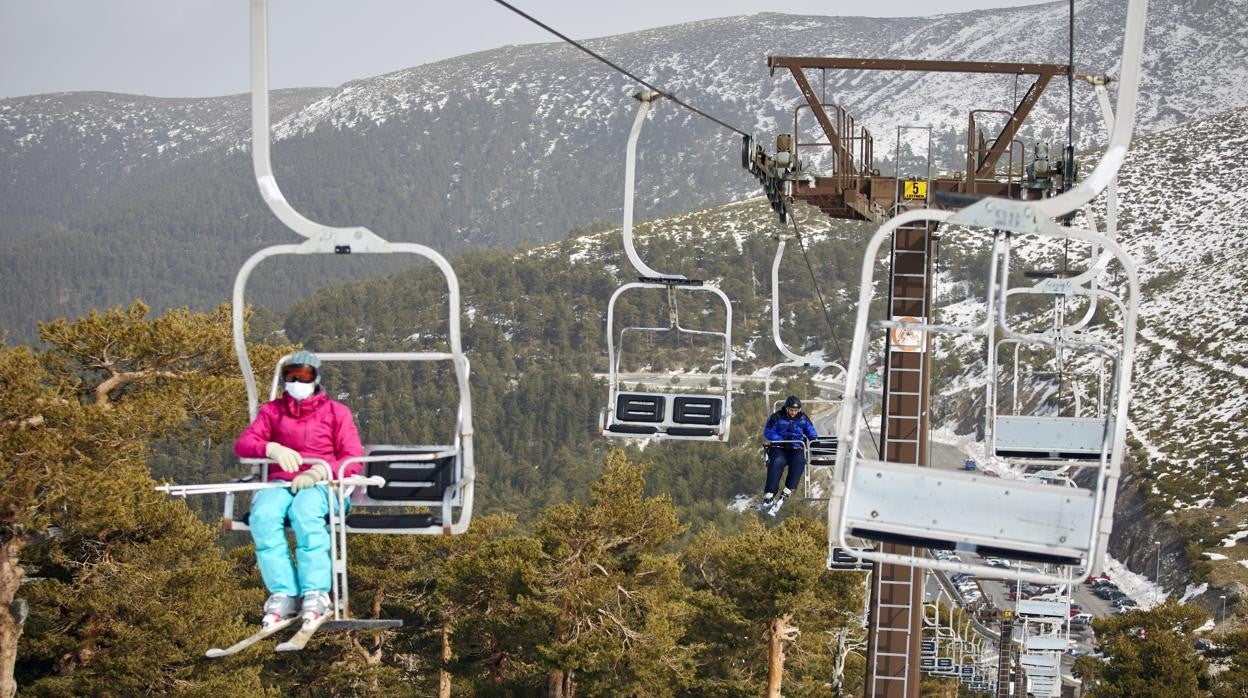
(520, 144)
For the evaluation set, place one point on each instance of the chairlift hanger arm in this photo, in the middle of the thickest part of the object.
(645, 99)
(775, 305)
(261, 135)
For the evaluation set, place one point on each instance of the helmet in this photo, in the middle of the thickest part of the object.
(792, 401)
(303, 357)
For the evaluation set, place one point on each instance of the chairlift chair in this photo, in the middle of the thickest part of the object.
(439, 477)
(928, 508)
(820, 453)
(659, 413)
(1042, 439)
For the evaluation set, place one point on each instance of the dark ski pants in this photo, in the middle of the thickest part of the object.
(777, 460)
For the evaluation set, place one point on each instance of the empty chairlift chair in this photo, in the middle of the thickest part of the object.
(656, 412)
(1076, 433)
(967, 510)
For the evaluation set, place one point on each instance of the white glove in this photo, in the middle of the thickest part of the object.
(309, 478)
(287, 458)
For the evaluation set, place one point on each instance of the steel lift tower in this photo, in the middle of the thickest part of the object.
(852, 189)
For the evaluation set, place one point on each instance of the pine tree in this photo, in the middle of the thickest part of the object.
(613, 603)
(759, 593)
(125, 588)
(1150, 653)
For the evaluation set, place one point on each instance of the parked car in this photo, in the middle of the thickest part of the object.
(1109, 593)
(1125, 602)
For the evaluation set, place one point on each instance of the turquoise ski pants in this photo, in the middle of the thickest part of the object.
(306, 511)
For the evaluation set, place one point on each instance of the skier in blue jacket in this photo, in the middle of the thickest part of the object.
(786, 432)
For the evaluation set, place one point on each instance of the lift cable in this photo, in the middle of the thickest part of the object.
(1068, 175)
(617, 68)
(823, 306)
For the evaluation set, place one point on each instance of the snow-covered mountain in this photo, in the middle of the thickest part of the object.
(522, 144)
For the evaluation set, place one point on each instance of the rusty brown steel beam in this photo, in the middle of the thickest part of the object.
(799, 62)
(816, 106)
(988, 163)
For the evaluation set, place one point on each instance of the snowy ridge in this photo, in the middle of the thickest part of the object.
(529, 112)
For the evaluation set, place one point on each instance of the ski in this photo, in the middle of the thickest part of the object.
(300, 639)
(775, 508)
(246, 642)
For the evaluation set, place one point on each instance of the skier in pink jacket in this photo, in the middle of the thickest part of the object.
(303, 423)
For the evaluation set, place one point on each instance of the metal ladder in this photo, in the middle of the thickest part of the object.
(903, 441)
(893, 633)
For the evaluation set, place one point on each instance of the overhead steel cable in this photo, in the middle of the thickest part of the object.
(617, 68)
(823, 306)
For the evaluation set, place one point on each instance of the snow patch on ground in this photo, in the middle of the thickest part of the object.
(1231, 540)
(741, 503)
(1214, 556)
(1137, 586)
(1192, 592)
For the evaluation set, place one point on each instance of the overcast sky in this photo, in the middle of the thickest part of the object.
(195, 48)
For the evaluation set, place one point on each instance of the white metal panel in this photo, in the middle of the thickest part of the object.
(1013, 514)
(1049, 609)
(1046, 642)
(1050, 434)
(1032, 662)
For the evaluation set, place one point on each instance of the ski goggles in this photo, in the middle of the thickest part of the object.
(299, 373)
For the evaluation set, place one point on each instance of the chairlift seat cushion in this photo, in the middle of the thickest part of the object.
(410, 481)
(823, 451)
(697, 410)
(690, 431)
(639, 407)
(632, 429)
(391, 521)
(698, 417)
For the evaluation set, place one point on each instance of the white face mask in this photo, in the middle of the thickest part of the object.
(300, 391)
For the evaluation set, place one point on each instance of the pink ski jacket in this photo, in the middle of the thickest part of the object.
(318, 427)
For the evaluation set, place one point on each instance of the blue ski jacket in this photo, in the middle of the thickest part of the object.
(780, 427)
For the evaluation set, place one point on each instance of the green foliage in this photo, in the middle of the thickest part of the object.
(127, 587)
(1150, 653)
(743, 582)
